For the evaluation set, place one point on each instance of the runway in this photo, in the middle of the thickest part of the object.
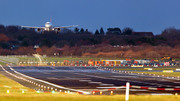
(93, 79)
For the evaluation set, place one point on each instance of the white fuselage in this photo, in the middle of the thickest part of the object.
(48, 26)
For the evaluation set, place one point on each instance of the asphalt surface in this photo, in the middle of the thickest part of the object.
(90, 79)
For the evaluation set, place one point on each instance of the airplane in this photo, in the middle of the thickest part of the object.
(49, 27)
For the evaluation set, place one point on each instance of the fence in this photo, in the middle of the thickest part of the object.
(9, 59)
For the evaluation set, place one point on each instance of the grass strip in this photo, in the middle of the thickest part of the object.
(2, 63)
(75, 97)
(8, 82)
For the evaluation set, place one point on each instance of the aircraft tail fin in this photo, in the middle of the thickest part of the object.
(51, 19)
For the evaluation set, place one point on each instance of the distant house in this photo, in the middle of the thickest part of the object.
(36, 46)
(143, 34)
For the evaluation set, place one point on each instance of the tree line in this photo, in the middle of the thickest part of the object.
(13, 39)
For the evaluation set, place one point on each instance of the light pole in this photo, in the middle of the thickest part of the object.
(159, 58)
(71, 55)
(156, 57)
(114, 55)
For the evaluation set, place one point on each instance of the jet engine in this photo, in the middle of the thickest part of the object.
(59, 29)
(39, 29)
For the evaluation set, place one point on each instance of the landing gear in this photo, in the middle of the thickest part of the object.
(56, 32)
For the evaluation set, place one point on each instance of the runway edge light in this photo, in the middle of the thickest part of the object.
(111, 92)
(8, 91)
(53, 91)
(100, 92)
(38, 91)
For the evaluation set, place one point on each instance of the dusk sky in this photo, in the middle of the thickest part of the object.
(140, 15)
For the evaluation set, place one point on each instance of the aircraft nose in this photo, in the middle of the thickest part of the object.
(47, 25)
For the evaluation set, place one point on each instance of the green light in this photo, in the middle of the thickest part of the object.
(53, 91)
(38, 91)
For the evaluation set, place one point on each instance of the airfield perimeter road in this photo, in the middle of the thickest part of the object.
(90, 79)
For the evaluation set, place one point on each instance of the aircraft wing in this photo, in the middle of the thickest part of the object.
(32, 27)
(67, 26)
